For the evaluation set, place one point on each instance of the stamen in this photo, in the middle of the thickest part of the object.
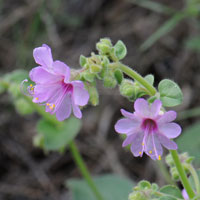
(159, 157)
(140, 152)
(143, 144)
(47, 104)
(36, 98)
(27, 92)
(150, 152)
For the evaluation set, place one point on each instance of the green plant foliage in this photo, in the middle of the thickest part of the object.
(23, 107)
(149, 78)
(120, 50)
(16, 76)
(112, 187)
(170, 93)
(82, 60)
(193, 43)
(58, 137)
(171, 190)
(118, 76)
(188, 141)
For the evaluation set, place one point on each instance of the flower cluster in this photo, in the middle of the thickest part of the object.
(148, 129)
(53, 86)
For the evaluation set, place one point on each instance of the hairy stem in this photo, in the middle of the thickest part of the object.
(136, 76)
(182, 174)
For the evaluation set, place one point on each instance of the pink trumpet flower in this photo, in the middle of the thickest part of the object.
(53, 86)
(148, 129)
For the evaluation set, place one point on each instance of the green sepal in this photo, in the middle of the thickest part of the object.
(87, 76)
(120, 50)
(82, 60)
(94, 68)
(118, 76)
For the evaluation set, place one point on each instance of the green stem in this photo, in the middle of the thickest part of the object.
(182, 174)
(134, 75)
(80, 163)
(73, 148)
(195, 177)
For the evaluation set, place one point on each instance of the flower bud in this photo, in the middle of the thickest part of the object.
(137, 196)
(94, 95)
(127, 88)
(109, 80)
(94, 68)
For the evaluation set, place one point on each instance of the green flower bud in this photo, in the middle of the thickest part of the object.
(94, 68)
(137, 196)
(109, 81)
(103, 48)
(82, 61)
(23, 107)
(127, 88)
(94, 95)
(174, 173)
(87, 76)
(106, 41)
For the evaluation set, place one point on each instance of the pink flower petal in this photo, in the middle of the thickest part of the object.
(153, 147)
(170, 130)
(167, 117)
(76, 110)
(78, 84)
(142, 108)
(166, 142)
(62, 69)
(80, 95)
(136, 147)
(64, 110)
(43, 56)
(127, 114)
(40, 75)
(129, 139)
(155, 108)
(126, 125)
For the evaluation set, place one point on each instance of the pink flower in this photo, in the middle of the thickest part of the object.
(147, 130)
(53, 87)
(185, 195)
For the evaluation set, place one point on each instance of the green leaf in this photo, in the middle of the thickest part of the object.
(189, 142)
(164, 29)
(23, 107)
(16, 76)
(118, 75)
(82, 60)
(170, 93)
(112, 187)
(149, 78)
(120, 50)
(144, 185)
(57, 138)
(172, 191)
(191, 180)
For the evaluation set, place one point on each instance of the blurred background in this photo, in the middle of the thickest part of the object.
(162, 38)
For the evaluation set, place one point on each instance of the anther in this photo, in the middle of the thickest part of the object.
(140, 152)
(143, 144)
(159, 157)
(150, 152)
(36, 98)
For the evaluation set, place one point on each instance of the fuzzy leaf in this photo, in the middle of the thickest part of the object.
(57, 138)
(170, 93)
(112, 187)
(120, 50)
